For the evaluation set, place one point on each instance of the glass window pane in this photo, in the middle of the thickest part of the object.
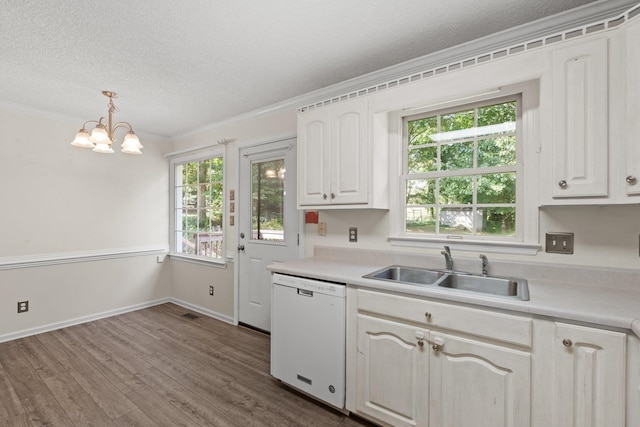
(456, 156)
(267, 200)
(422, 160)
(421, 219)
(203, 221)
(186, 243)
(497, 114)
(500, 151)
(419, 131)
(190, 173)
(456, 190)
(456, 221)
(497, 188)
(189, 219)
(496, 221)
(190, 196)
(457, 121)
(421, 192)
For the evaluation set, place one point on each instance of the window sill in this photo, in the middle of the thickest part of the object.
(489, 246)
(212, 262)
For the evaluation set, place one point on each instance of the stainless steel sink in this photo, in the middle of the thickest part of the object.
(501, 286)
(408, 275)
(498, 286)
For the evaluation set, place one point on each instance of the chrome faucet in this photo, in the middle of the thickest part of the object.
(447, 257)
(485, 265)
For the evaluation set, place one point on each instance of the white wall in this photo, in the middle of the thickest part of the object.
(63, 206)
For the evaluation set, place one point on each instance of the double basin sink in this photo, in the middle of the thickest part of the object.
(495, 286)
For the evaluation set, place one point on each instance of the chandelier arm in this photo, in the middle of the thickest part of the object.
(123, 125)
(84, 125)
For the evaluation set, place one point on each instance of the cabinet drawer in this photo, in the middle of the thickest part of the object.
(483, 323)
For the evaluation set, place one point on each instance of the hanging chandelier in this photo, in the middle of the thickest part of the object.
(101, 138)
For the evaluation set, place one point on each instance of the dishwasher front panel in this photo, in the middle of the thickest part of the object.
(308, 338)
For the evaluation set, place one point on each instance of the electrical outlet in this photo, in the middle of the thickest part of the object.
(23, 306)
(559, 243)
(211, 290)
(353, 234)
(322, 229)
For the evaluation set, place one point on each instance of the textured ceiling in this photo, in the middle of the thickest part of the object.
(182, 65)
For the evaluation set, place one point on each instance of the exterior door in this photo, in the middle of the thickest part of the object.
(267, 225)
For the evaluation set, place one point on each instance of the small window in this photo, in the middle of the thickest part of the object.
(461, 171)
(198, 211)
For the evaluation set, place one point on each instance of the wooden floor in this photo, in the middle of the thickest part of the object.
(150, 367)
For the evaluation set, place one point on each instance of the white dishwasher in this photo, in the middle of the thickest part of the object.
(308, 336)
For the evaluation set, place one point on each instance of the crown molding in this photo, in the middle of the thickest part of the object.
(578, 17)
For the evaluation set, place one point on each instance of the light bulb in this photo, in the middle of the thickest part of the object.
(82, 139)
(103, 148)
(131, 144)
(99, 135)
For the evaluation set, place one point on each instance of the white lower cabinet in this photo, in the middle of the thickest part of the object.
(410, 375)
(478, 384)
(416, 362)
(589, 377)
(392, 372)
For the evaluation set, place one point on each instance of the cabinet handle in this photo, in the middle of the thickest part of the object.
(427, 315)
(420, 343)
(324, 197)
(333, 195)
(563, 184)
(567, 342)
(631, 179)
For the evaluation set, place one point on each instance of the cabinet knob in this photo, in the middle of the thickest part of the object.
(421, 343)
(427, 315)
(631, 179)
(333, 195)
(567, 342)
(438, 343)
(324, 197)
(562, 184)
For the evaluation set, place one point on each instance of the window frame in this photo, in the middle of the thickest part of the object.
(174, 162)
(473, 172)
(527, 157)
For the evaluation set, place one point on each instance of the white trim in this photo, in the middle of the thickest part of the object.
(110, 313)
(211, 262)
(589, 13)
(493, 246)
(201, 310)
(9, 263)
(78, 320)
(495, 46)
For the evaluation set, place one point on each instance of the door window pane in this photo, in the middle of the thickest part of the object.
(267, 200)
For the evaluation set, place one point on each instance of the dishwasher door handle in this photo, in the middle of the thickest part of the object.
(305, 293)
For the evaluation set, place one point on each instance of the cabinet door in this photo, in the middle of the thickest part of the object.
(349, 153)
(476, 384)
(314, 135)
(589, 377)
(632, 143)
(392, 372)
(580, 120)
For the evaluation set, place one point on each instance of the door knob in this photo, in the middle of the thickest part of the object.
(631, 179)
(563, 184)
(240, 248)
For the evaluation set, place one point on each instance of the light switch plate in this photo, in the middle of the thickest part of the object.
(559, 243)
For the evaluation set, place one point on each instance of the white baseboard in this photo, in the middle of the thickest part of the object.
(84, 319)
(201, 310)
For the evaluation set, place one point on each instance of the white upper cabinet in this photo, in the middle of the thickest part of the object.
(336, 158)
(595, 143)
(631, 177)
(580, 118)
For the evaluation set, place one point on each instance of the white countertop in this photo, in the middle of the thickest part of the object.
(604, 306)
